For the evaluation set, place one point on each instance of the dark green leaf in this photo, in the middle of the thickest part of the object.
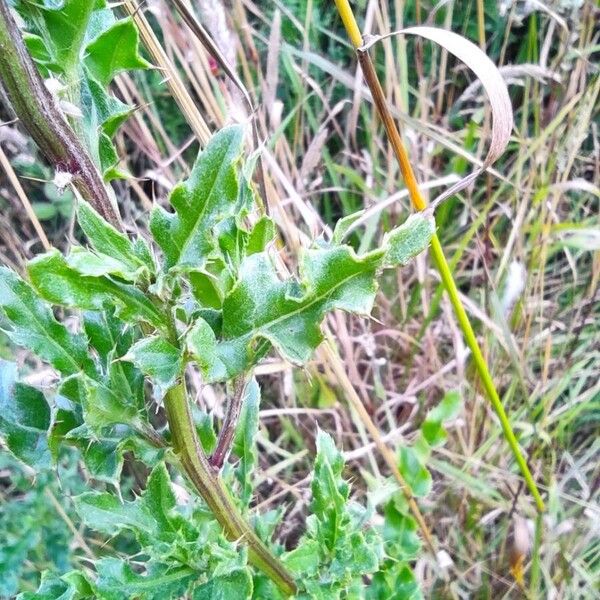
(102, 456)
(24, 419)
(114, 51)
(33, 325)
(206, 288)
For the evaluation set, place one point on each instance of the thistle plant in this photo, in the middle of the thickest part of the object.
(204, 294)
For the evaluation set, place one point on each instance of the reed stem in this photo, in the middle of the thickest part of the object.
(437, 252)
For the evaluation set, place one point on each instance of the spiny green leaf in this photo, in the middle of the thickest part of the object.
(107, 241)
(234, 586)
(408, 240)
(102, 406)
(348, 549)
(114, 51)
(330, 492)
(262, 308)
(24, 419)
(205, 199)
(56, 281)
(158, 359)
(117, 580)
(150, 517)
(33, 325)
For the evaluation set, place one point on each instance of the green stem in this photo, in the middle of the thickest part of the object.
(379, 99)
(481, 366)
(40, 115)
(206, 480)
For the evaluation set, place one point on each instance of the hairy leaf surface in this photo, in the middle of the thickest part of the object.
(206, 198)
(33, 325)
(60, 283)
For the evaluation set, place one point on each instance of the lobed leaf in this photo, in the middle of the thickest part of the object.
(262, 310)
(209, 196)
(150, 517)
(114, 51)
(339, 548)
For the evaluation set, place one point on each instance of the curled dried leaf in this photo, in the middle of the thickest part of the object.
(491, 80)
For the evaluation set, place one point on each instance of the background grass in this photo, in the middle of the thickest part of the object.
(529, 230)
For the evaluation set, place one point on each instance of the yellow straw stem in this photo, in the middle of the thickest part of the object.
(437, 253)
